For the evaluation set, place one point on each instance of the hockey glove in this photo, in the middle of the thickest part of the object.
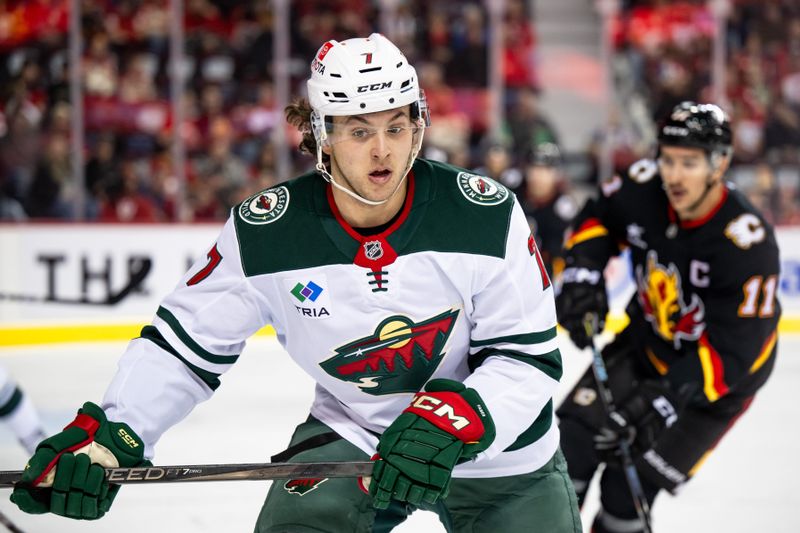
(442, 427)
(583, 291)
(642, 418)
(66, 474)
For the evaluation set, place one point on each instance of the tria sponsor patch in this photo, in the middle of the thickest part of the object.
(301, 487)
(309, 296)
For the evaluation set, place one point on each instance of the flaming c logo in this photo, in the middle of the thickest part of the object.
(661, 296)
(399, 357)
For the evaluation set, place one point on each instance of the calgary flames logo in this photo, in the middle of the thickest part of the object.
(661, 297)
(399, 357)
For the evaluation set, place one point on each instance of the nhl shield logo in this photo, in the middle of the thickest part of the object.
(480, 189)
(373, 250)
(265, 207)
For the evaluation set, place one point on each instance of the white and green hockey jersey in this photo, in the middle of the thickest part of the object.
(453, 288)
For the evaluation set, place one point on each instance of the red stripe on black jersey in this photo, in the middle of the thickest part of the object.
(713, 370)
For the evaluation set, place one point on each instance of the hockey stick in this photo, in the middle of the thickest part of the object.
(8, 524)
(225, 472)
(600, 372)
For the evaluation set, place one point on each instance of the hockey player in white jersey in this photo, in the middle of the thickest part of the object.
(18, 412)
(411, 291)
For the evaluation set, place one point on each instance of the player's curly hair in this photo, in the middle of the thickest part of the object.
(298, 114)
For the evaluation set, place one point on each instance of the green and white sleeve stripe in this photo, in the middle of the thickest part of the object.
(538, 349)
(170, 335)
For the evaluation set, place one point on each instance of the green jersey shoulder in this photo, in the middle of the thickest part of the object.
(292, 226)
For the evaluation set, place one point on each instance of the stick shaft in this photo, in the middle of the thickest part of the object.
(631, 475)
(222, 472)
(8, 524)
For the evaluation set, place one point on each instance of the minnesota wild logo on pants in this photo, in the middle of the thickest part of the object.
(538, 502)
(301, 487)
(399, 357)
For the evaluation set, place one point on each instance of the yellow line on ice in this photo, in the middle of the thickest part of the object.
(58, 334)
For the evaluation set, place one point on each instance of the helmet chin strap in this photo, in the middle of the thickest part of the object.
(329, 178)
(325, 174)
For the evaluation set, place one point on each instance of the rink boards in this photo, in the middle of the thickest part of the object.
(65, 283)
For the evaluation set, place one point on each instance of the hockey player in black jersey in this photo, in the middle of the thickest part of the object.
(547, 204)
(703, 324)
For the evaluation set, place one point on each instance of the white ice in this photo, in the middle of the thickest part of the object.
(748, 484)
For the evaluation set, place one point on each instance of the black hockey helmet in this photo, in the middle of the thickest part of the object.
(544, 155)
(693, 125)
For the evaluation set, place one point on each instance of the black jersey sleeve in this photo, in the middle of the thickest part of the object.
(598, 232)
(592, 239)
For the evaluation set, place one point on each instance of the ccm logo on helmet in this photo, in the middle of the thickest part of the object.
(441, 409)
(374, 87)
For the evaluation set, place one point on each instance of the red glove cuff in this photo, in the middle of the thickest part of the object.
(86, 423)
(82, 421)
(450, 412)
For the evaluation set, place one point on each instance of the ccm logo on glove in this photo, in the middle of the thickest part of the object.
(127, 438)
(451, 413)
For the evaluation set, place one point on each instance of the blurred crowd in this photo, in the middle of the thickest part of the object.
(229, 102)
(667, 49)
(230, 113)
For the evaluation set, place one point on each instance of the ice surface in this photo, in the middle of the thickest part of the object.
(748, 484)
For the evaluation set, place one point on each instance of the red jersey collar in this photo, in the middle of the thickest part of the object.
(406, 209)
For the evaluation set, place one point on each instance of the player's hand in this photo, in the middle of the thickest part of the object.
(650, 409)
(608, 440)
(66, 474)
(443, 426)
(583, 290)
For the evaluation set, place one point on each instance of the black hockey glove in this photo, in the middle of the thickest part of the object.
(650, 409)
(583, 291)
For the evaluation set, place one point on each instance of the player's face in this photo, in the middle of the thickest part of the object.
(541, 181)
(686, 173)
(370, 153)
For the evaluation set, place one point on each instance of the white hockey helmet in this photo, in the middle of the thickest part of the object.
(361, 75)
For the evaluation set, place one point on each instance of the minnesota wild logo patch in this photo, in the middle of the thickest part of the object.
(399, 357)
(480, 189)
(265, 207)
(301, 487)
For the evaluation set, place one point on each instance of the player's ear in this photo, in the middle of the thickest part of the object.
(720, 164)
